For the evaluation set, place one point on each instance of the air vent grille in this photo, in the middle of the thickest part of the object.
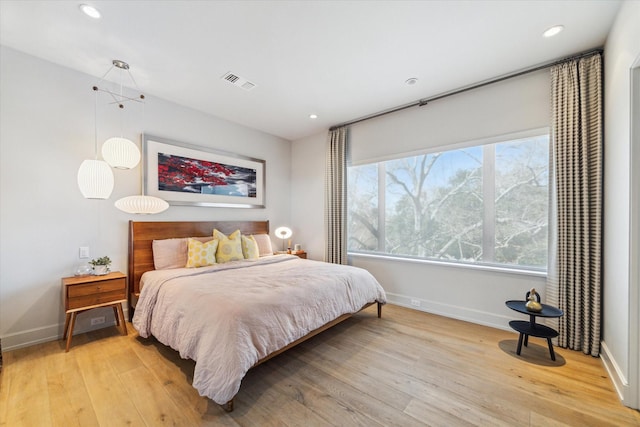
(241, 82)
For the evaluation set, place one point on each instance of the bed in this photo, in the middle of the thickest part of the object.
(229, 317)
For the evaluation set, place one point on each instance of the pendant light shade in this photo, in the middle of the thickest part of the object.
(120, 153)
(142, 205)
(95, 179)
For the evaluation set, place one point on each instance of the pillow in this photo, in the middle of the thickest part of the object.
(201, 254)
(172, 253)
(250, 248)
(264, 244)
(169, 253)
(229, 248)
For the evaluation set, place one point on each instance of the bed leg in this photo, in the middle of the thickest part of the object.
(228, 407)
(379, 310)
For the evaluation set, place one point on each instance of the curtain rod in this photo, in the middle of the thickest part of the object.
(425, 101)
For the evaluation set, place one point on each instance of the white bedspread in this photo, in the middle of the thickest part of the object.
(229, 316)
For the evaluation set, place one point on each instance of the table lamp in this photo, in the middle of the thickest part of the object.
(283, 233)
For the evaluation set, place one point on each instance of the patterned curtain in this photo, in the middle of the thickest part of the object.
(336, 197)
(575, 282)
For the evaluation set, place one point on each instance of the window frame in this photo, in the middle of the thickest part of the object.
(488, 172)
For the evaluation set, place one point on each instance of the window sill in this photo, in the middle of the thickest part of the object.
(479, 267)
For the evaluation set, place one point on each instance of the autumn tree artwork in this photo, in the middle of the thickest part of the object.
(187, 175)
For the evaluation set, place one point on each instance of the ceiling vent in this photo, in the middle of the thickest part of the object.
(236, 80)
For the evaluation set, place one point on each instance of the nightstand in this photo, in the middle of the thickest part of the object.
(88, 292)
(299, 254)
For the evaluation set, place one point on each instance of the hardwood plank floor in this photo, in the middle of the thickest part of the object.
(407, 369)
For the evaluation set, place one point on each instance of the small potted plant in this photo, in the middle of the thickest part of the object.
(100, 265)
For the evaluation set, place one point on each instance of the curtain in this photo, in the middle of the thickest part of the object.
(575, 282)
(336, 197)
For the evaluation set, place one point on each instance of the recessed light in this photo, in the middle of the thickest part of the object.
(552, 31)
(90, 11)
(411, 81)
(313, 116)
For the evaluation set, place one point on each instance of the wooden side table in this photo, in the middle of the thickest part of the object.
(299, 254)
(89, 292)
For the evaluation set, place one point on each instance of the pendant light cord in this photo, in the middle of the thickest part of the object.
(143, 158)
(95, 122)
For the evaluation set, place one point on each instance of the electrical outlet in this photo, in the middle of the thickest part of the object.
(97, 320)
(84, 252)
(415, 302)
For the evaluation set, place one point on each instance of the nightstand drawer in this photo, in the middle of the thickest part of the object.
(105, 286)
(95, 299)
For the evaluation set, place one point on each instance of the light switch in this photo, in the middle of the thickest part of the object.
(84, 252)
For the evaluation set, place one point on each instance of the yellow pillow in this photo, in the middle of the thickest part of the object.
(229, 248)
(201, 254)
(250, 247)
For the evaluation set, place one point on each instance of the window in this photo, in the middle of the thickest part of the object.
(483, 204)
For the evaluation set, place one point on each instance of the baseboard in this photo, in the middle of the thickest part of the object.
(448, 310)
(620, 382)
(53, 332)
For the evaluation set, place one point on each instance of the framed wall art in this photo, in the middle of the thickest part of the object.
(189, 175)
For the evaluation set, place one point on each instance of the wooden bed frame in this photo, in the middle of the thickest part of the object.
(143, 233)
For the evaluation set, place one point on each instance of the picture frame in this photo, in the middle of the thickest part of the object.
(191, 175)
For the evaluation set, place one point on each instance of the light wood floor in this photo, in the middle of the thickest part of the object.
(407, 369)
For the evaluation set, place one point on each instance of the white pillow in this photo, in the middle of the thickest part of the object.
(264, 244)
(172, 253)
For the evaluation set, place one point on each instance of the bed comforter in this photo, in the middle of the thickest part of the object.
(229, 316)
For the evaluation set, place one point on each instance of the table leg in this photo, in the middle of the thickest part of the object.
(553, 355)
(120, 316)
(66, 326)
(526, 340)
(519, 344)
(116, 315)
(70, 333)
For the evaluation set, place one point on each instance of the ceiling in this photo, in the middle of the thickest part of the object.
(340, 60)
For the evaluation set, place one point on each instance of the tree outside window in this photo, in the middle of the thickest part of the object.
(483, 204)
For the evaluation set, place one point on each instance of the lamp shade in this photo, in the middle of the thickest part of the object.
(95, 179)
(283, 232)
(142, 204)
(121, 153)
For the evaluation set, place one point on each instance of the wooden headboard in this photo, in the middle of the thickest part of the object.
(143, 233)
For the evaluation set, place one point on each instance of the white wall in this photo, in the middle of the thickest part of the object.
(46, 121)
(307, 194)
(471, 294)
(622, 49)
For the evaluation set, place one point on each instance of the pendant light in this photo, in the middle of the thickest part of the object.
(120, 152)
(142, 204)
(95, 177)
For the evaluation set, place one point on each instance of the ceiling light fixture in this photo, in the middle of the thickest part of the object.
(120, 152)
(313, 116)
(552, 31)
(411, 81)
(90, 11)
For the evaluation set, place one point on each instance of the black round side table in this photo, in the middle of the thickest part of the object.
(531, 327)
